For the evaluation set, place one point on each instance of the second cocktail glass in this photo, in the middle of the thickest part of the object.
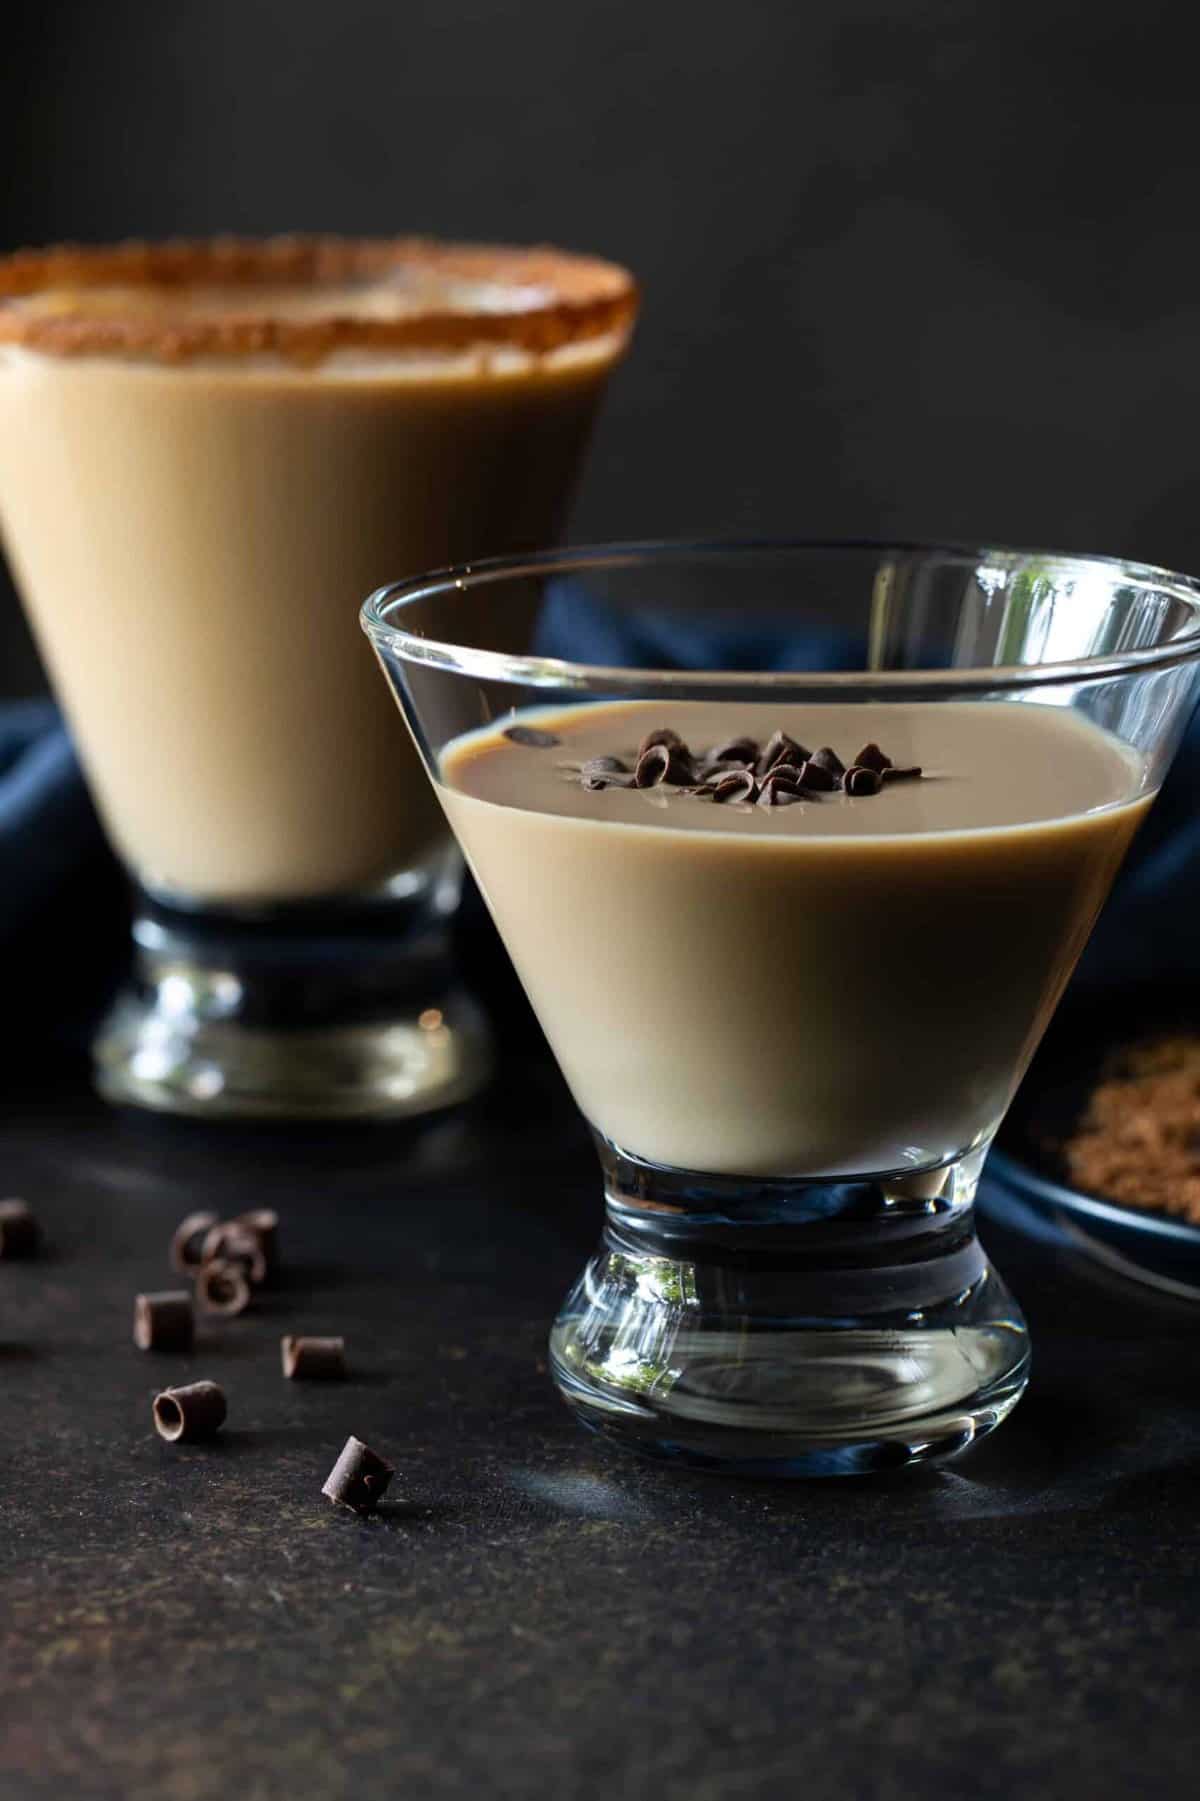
(794, 873)
(207, 453)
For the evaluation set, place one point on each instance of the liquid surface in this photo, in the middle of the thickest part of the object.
(843, 986)
(193, 544)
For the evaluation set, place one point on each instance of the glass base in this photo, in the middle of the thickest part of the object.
(295, 1015)
(791, 1328)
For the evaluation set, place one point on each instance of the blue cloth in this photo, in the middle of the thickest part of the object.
(48, 829)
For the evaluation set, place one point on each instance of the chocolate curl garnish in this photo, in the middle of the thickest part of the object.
(779, 748)
(659, 763)
(531, 738)
(739, 785)
(814, 778)
(779, 791)
(734, 750)
(605, 772)
(663, 735)
(826, 758)
(859, 781)
(910, 774)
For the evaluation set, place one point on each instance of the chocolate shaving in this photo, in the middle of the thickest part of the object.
(358, 1478)
(815, 778)
(187, 1243)
(734, 750)
(737, 770)
(187, 1415)
(776, 793)
(658, 763)
(233, 1242)
(605, 772)
(223, 1288)
(859, 781)
(779, 748)
(163, 1322)
(667, 738)
(313, 1359)
(531, 737)
(739, 785)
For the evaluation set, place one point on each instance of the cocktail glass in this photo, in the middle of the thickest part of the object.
(208, 451)
(794, 1039)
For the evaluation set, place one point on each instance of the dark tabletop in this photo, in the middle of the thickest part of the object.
(534, 1614)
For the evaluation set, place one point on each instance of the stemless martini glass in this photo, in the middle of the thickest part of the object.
(793, 1011)
(208, 451)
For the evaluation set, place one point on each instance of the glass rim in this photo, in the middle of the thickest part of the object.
(558, 672)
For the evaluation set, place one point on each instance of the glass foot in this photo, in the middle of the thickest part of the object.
(832, 1329)
(255, 1023)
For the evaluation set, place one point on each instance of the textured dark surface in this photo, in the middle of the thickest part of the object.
(530, 1614)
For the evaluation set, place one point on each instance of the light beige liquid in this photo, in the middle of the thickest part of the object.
(193, 542)
(839, 986)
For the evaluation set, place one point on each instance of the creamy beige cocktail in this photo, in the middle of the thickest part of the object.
(833, 986)
(208, 454)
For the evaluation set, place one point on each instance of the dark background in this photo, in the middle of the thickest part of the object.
(923, 269)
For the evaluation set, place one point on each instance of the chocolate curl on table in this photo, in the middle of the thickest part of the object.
(190, 1414)
(223, 1288)
(358, 1478)
(187, 1243)
(164, 1321)
(312, 1359)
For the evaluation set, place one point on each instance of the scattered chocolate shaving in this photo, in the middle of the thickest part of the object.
(187, 1415)
(531, 737)
(828, 759)
(232, 1242)
(263, 1222)
(659, 763)
(871, 757)
(223, 1288)
(358, 1478)
(739, 785)
(909, 774)
(858, 781)
(313, 1359)
(20, 1233)
(187, 1242)
(164, 1321)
